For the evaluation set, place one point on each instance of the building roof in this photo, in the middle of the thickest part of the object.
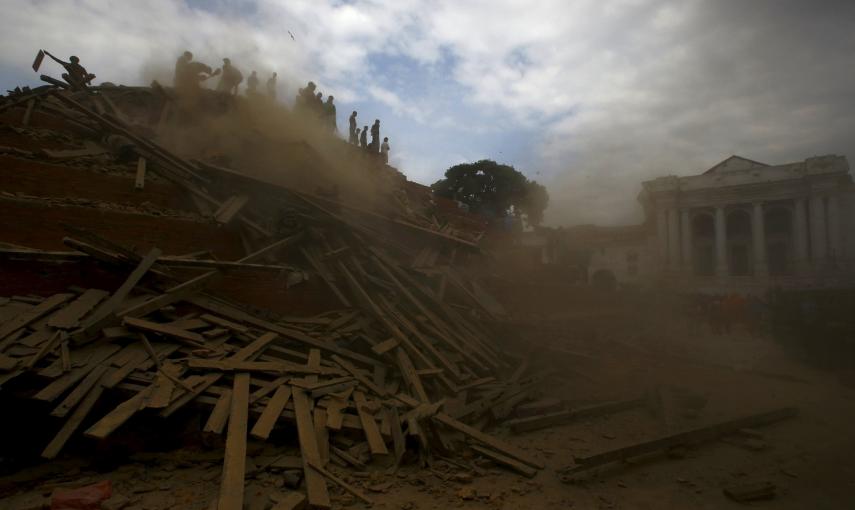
(734, 163)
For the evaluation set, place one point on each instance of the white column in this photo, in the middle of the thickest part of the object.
(673, 239)
(662, 236)
(758, 235)
(834, 228)
(686, 237)
(800, 233)
(818, 239)
(720, 243)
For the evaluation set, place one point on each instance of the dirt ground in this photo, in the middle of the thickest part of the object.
(809, 458)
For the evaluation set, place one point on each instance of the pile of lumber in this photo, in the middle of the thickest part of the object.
(404, 364)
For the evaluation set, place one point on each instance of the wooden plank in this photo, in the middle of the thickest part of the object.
(241, 316)
(358, 375)
(40, 310)
(314, 363)
(100, 316)
(59, 386)
(398, 441)
(164, 385)
(338, 481)
(70, 426)
(319, 418)
(410, 375)
(290, 501)
(266, 388)
(186, 337)
(234, 464)
(230, 208)
(220, 414)
(693, 436)
(79, 392)
(385, 346)
(275, 406)
(472, 432)
(65, 355)
(272, 248)
(281, 367)
(254, 348)
(539, 421)
(369, 425)
(118, 416)
(316, 487)
(335, 417)
(68, 317)
(219, 321)
(504, 460)
(139, 180)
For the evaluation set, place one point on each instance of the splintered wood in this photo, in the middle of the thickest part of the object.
(366, 381)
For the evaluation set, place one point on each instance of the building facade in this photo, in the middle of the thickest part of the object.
(747, 226)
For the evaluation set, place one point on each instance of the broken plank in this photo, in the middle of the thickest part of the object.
(234, 464)
(184, 336)
(316, 487)
(275, 406)
(693, 436)
(72, 423)
(385, 346)
(220, 414)
(59, 386)
(69, 316)
(118, 416)
(230, 208)
(79, 392)
(538, 422)
(219, 321)
(504, 460)
(164, 385)
(319, 417)
(33, 314)
(369, 425)
(358, 375)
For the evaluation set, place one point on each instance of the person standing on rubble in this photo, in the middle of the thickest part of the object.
(353, 130)
(375, 136)
(330, 115)
(271, 87)
(230, 78)
(384, 150)
(181, 66)
(305, 97)
(252, 84)
(363, 138)
(318, 105)
(75, 74)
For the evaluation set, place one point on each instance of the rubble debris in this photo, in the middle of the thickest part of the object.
(747, 492)
(679, 439)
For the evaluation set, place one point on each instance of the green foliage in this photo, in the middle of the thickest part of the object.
(494, 189)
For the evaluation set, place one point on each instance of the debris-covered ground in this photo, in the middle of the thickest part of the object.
(182, 326)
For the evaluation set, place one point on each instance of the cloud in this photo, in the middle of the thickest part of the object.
(609, 92)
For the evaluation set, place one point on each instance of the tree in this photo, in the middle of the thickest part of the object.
(494, 189)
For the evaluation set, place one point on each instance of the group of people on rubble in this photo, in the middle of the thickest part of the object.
(189, 74)
(725, 312)
(359, 137)
(310, 101)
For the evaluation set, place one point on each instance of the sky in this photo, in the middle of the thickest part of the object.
(589, 97)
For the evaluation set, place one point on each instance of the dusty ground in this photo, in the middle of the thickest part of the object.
(809, 458)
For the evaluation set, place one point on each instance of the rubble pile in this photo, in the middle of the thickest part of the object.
(402, 365)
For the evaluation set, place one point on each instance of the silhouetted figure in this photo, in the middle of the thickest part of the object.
(363, 138)
(181, 66)
(353, 136)
(356, 137)
(271, 87)
(306, 97)
(75, 74)
(384, 150)
(375, 136)
(230, 78)
(252, 84)
(318, 105)
(329, 114)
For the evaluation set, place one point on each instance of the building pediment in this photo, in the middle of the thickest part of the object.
(734, 164)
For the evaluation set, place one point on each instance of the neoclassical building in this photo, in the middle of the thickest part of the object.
(748, 224)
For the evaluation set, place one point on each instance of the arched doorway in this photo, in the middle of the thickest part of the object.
(604, 279)
(778, 228)
(739, 250)
(703, 244)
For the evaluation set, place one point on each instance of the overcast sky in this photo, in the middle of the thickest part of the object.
(589, 97)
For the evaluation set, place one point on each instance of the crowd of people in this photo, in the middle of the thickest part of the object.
(190, 74)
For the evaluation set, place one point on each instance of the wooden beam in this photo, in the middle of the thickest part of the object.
(230, 208)
(272, 412)
(369, 425)
(183, 336)
(234, 464)
(220, 414)
(316, 487)
(25, 318)
(70, 315)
